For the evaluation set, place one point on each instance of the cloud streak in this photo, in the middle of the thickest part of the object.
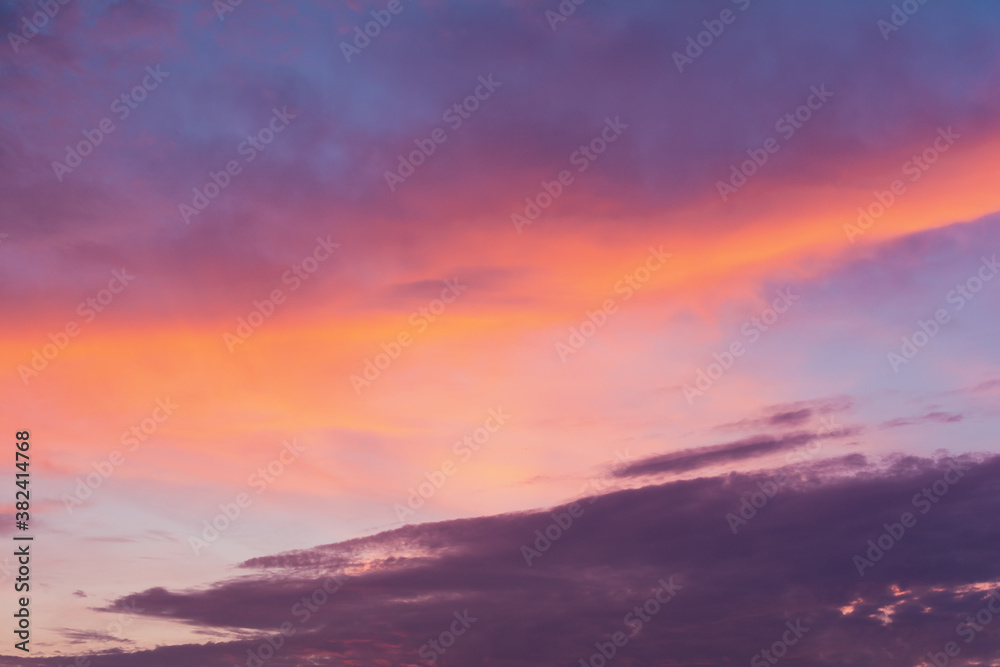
(702, 457)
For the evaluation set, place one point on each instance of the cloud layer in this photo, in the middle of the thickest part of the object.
(794, 561)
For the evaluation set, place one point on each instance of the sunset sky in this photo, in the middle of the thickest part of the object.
(388, 299)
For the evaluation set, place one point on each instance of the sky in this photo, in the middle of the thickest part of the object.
(338, 325)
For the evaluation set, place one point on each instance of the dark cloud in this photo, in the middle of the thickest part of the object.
(84, 636)
(793, 561)
(701, 457)
(793, 418)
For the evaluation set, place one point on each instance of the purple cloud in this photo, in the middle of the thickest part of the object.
(736, 592)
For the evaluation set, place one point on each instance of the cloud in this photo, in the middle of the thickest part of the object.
(701, 457)
(936, 417)
(792, 562)
(792, 415)
(85, 636)
(327, 171)
(983, 387)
